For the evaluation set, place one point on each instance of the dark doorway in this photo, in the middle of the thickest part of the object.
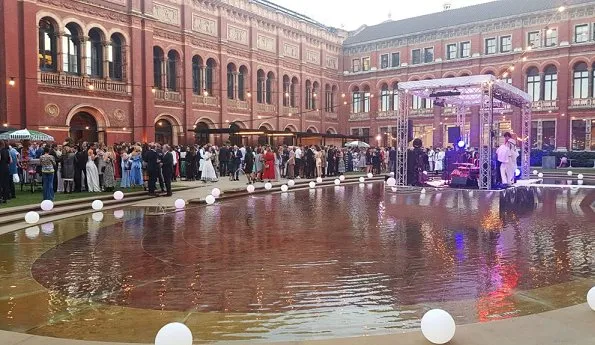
(83, 128)
(164, 132)
(202, 133)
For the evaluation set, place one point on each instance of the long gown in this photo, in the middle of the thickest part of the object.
(208, 171)
(136, 172)
(125, 181)
(269, 166)
(109, 179)
(92, 176)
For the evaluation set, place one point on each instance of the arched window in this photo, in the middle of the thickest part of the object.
(581, 81)
(308, 94)
(231, 80)
(356, 100)
(334, 90)
(260, 86)
(269, 87)
(115, 57)
(95, 53)
(315, 92)
(384, 98)
(210, 76)
(286, 87)
(71, 49)
(197, 74)
(158, 67)
(173, 60)
(327, 97)
(550, 83)
(47, 45)
(293, 92)
(395, 100)
(242, 77)
(367, 96)
(533, 84)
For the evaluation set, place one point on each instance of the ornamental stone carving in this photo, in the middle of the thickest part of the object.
(331, 62)
(237, 35)
(166, 14)
(266, 43)
(119, 114)
(313, 57)
(204, 25)
(291, 50)
(52, 110)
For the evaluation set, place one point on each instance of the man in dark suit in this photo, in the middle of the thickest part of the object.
(152, 159)
(167, 168)
(224, 155)
(80, 170)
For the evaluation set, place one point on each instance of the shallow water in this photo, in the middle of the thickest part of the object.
(331, 262)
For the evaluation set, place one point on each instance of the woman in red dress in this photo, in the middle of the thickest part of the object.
(269, 165)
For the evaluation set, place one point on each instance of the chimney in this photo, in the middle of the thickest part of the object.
(446, 6)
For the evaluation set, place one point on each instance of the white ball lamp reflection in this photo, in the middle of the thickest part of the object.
(392, 173)
(370, 175)
(362, 179)
(337, 182)
(342, 178)
(97, 216)
(438, 326)
(580, 176)
(423, 191)
(250, 188)
(319, 180)
(569, 173)
(216, 192)
(32, 232)
(180, 203)
(312, 184)
(540, 175)
(580, 182)
(284, 188)
(118, 195)
(591, 298)
(291, 183)
(268, 186)
(31, 217)
(97, 205)
(47, 205)
(174, 333)
(119, 214)
(210, 200)
(391, 182)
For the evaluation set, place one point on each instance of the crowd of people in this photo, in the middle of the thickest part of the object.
(95, 167)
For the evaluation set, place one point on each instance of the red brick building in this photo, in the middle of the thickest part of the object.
(121, 70)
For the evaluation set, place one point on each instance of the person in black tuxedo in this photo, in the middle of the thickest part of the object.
(224, 159)
(152, 159)
(80, 169)
(167, 168)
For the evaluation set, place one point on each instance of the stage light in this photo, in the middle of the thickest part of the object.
(11, 82)
(561, 9)
(517, 172)
(91, 87)
(461, 144)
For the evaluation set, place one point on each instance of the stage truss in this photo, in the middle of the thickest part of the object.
(462, 93)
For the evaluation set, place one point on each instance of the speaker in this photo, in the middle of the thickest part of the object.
(458, 181)
(454, 134)
(410, 131)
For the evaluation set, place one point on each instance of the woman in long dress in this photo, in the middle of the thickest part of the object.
(191, 164)
(439, 163)
(68, 170)
(136, 171)
(126, 166)
(258, 165)
(269, 165)
(92, 173)
(341, 158)
(318, 158)
(208, 171)
(109, 178)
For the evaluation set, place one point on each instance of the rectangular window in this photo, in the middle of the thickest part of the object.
(356, 102)
(581, 33)
(505, 44)
(366, 134)
(429, 55)
(355, 132)
(395, 60)
(367, 102)
(548, 130)
(551, 37)
(490, 47)
(415, 56)
(592, 135)
(451, 51)
(579, 134)
(366, 64)
(384, 61)
(533, 39)
(551, 86)
(534, 142)
(355, 65)
(534, 87)
(581, 85)
(465, 49)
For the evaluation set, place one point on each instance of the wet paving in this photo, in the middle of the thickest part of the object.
(331, 262)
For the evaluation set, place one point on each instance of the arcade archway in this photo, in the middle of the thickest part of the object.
(84, 128)
(202, 133)
(164, 132)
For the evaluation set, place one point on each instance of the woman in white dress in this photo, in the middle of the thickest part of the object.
(439, 160)
(92, 173)
(208, 171)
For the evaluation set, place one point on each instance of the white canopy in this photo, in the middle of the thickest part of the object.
(465, 91)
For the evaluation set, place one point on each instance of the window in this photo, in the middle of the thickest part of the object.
(451, 51)
(417, 103)
(231, 71)
(384, 98)
(366, 101)
(356, 100)
(366, 64)
(581, 33)
(384, 61)
(548, 130)
(550, 84)
(428, 55)
(366, 134)
(115, 57)
(269, 88)
(395, 98)
(415, 56)
(157, 68)
(490, 47)
(465, 49)
(395, 60)
(533, 84)
(533, 39)
(355, 132)
(260, 81)
(579, 134)
(505, 44)
(581, 81)
(71, 46)
(534, 139)
(209, 76)
(196, 74)
(94, 48)
(355, 65)
(172, 70)
(241, 83)
(551, 37)
(47, 46)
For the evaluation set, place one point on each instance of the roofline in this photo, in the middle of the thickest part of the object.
(292, 13)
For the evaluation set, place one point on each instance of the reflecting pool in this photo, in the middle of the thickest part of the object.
(332, 262)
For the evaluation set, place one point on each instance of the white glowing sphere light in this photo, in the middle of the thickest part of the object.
(437, 326)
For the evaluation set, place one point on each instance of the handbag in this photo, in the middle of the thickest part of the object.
(128, 165)
(16, 178)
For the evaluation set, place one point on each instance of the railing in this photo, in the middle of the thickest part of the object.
(385, 115)
(545, 105)
(172, 96)
(237, 104)
(422, 112)
(313, 116)
(206, 100)
(290, 111)
(80, 82)
(578, 103)
(265, 108)
(359, 117)
(331, 116)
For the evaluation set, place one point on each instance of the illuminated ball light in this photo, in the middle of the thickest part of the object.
(284, 188)
(118, 195)
(534, 172)
(180, 203)
(268, 186)
(569, 173)
(291, 183)
(337, 181)
(210, 200)
(174, 333)
(47, 205)
(370, 175)
(580, 176)
(31, 217)
(342, 177)
(312, 184)
(591, 298)
(461, 144)
(97, 205)
(438, 326)
(392, 173)
(362, 179)
(517, 172)
(216, 192)
(319, 180)
(391, 182)
(250, 188)
(540, 175)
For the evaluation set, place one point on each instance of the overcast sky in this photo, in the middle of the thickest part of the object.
(353, 13)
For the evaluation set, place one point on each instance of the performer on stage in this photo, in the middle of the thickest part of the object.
(417, 160)
(504, 154)
(511, 166)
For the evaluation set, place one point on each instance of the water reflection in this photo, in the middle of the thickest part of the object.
(338, 261)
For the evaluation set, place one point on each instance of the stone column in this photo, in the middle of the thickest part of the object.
(235, 86)
(106, 56)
